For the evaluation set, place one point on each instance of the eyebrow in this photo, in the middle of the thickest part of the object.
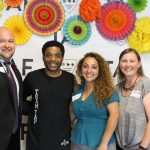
(1, 39)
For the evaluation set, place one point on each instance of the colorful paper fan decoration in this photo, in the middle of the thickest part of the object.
(16, 24)
(13, 3)
(76, 31)
(44, 17)
(117, 20)
(90, 10)
(138, 5)
(2, 5)
(139, 39)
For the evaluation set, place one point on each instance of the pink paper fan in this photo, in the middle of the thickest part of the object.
(117, 20)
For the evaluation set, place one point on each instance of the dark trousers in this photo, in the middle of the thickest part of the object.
(14, 143)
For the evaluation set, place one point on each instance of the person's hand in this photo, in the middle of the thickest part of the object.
(141, 148)
(102, 147)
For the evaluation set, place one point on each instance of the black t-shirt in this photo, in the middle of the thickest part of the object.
(49, 119)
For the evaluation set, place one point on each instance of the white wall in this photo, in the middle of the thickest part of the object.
(108, 49)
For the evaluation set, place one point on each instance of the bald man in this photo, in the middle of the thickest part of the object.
(10, 93)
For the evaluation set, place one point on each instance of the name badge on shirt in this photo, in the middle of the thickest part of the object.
(75, 97)
(2, 69)
(136, 94)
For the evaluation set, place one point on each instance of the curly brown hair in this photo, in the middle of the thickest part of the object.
(103, 87)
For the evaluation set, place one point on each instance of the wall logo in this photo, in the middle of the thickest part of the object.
(69, 65)
(69, 5)
(121, 42)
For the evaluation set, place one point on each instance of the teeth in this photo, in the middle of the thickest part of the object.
(89, 75)
(128, 69)
(53, 64)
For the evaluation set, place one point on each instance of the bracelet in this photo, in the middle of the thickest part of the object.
(142, 148)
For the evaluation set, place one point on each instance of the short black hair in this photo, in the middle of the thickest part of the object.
(51, 44)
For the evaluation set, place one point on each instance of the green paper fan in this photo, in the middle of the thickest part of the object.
(138, 5)
(76, 31)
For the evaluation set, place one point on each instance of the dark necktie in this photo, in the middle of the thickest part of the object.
(14, 89)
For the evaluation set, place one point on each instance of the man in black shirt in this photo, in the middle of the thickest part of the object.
(51, 90)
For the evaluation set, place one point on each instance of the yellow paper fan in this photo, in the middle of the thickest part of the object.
(139, 39)
(2, 5)
(143, 25)
(16, 24)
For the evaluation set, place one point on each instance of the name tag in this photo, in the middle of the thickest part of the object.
(136, 94)
(2, 69)
(75, 97)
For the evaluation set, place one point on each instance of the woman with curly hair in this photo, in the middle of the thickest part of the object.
(94, 105)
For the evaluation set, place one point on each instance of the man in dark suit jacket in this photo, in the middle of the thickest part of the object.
(10, 110)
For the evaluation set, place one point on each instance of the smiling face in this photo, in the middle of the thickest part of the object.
(7, 44)
(90, 69)
(129, 64)
(53, 58)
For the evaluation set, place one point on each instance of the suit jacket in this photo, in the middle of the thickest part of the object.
(7, 108)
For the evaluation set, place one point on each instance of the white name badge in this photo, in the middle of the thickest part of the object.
(75, 97)
(2, 69)
(136, 94)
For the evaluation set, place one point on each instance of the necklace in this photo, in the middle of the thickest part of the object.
(131, 87)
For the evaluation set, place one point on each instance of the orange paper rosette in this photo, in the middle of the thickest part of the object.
(90, 10)
(44, 17)
(117, 20)
(13, 3)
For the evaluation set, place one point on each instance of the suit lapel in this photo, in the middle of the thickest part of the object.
(18, 76)
(19, 79)
(8, 84)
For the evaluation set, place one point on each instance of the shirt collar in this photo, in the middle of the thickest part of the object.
(2, 60)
